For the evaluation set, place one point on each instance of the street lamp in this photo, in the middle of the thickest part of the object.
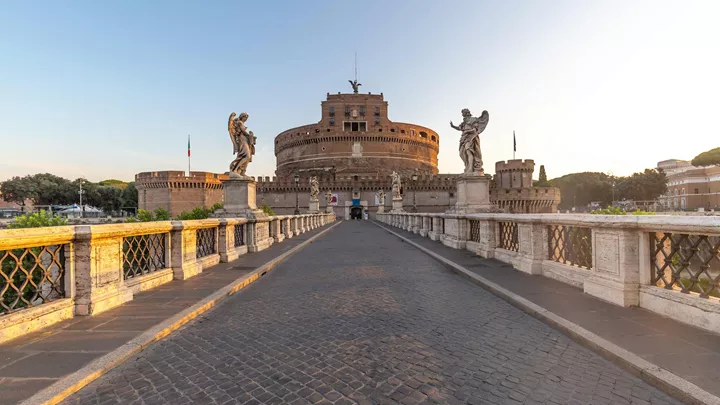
(82, 207)
(610, 173)
(297, 200)
(414, 179)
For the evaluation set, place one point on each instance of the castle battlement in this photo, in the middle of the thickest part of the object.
(515, 165)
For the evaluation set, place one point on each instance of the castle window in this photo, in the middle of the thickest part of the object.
(347, 110)
(332, 111)
(360, 126)
(433, 137)
(392, 129)
(402, 131)
(423, 134)
(412, 132)
(377, 120)
(362, 111)
(697, 191)
(332, 121)
(377, 111)
(380, 130)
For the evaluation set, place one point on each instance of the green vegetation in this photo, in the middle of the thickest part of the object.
(199, 213)
(266, 209)
(707, 158)
(46, 189)
(37, 220)
(580, 189)
(542, 179)
(619, 211)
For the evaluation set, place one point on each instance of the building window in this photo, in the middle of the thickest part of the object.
(697, 191)
(377, 120)
(377, 111)
(332, 111)
(332, 121)
(423, 134)
(347, 110)
(360, 126)
(433, 137)
(402, 131)
(362, 111)
(412, 132)
(392, 129)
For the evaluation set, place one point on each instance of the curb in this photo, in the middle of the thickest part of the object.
(100, 366)
(657, 376)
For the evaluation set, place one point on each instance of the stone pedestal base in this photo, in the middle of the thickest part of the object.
(240, 200)
(314, 206)
(329, 209)
(397, 205)
(615, 292)
(380, 209)
(473, 194)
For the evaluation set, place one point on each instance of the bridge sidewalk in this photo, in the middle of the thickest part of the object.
(35, 361)
(688, 352)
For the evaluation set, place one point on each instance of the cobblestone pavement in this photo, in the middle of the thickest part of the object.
(361, 317)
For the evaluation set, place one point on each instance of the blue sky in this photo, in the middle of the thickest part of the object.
(108, 89)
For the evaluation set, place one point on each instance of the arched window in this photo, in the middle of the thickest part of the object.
(423, 134)
(433, 138)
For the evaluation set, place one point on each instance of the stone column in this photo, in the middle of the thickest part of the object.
(275, 227)
(183, 244)
(456, 232)
(289, 228)
(99, 279)
(296, 226)
(532, 241)
(423, 231)
(436, 231)
(616, 266)
(488, 238)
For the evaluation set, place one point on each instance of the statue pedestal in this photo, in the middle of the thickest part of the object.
(381, 209)
(397, 205)
(313, 206)
(329, 209)
(239, 200)
(473, 194)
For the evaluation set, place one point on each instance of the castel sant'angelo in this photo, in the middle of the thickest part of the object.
(352, 151)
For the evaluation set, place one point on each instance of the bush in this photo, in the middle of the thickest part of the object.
(619, 211)
(161, 214)
(37, 220)
(268, 210)
(144, 216)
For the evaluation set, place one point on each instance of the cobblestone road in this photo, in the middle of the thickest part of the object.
(361, 317)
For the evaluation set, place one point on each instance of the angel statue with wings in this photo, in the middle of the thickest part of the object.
(471, 127)
(314, 188)
(355, 85)
(396, 186)
(380, 195)
(243, 145)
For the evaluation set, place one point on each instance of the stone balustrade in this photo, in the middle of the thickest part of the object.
(666, 264)
(55, 273)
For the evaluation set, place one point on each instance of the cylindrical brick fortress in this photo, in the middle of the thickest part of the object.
(355, 137)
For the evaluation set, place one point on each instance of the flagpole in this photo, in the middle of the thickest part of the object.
(514, 145)
(189, 155)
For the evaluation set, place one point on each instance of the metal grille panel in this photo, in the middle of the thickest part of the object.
(205, 243)
(442, 225)
(508, 236)
(432, 224)
(239, 232)
(282, 226)
(475, 230)
(31, 276)
(570, 245)
(686, 262)
(143, 254)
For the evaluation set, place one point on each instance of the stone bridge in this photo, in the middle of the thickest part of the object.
(405, 309)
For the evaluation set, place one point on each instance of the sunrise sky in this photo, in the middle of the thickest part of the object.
(109, 89)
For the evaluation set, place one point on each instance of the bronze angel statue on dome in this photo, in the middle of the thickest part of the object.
(243, 145)
(471, 127)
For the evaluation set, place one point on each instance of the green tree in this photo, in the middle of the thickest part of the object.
(542, 179)
(161, 214)
(130, 196)
(17, 190)
(707, 158)
(646, 186)
(581, 189)
(145, 216)
(37, 220)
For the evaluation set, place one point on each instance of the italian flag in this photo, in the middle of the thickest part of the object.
(188, 145)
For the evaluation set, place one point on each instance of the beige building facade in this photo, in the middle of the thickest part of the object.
(690, 188)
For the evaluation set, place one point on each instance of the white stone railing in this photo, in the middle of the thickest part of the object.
(667, 264)
(54, 273)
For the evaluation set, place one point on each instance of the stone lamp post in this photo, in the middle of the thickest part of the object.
(414, 178)
(297, 198)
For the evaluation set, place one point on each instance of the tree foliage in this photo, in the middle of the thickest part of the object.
(37, 220)
(542, 179)
(707, 158)
(266, 209)
(48, 189)
(587, 187)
